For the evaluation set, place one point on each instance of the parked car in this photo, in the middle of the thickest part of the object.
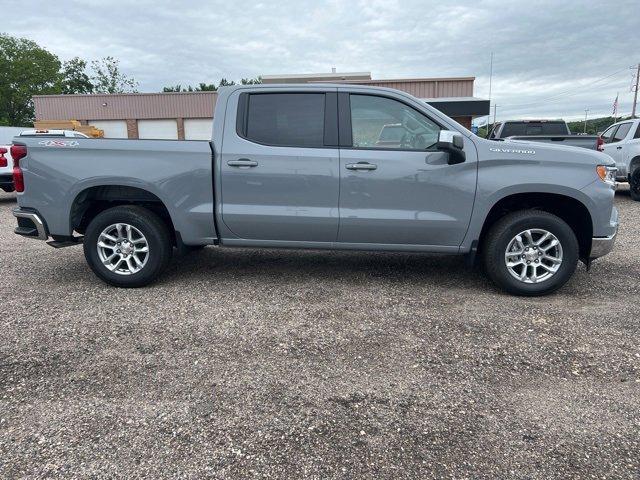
(519, 128)
(6, 169)
(621, 141)
(547, 131)
(296, 166)
(592, 142)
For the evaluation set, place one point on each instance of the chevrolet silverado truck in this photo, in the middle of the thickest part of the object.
(301, 166)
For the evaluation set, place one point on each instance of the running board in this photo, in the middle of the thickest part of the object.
(68, 242)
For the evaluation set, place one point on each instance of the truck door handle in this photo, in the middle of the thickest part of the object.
(242, 162)
(361, 166)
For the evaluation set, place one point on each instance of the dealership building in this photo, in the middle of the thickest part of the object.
(189, 115)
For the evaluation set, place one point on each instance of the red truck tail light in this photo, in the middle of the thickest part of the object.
(18, 152)
(600, 144)
(3, 160)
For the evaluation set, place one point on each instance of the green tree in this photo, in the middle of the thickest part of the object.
(210, 87)
(75, 78)
(251, 81)
(107, 77)
(26, 69)
(206, 87)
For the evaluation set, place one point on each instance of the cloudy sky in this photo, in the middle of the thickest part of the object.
(551, 58)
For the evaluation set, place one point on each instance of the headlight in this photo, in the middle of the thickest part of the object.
(607, 174)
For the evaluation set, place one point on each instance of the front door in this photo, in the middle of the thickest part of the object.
(396, 187)
(280, 168)
(615, 146)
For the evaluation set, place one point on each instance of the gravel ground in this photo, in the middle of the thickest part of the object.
(294, 364)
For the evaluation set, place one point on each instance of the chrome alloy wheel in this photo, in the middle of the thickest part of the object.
(533, 256)
(123, 249)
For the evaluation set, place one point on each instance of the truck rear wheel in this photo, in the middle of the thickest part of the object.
(127, 246)
(530, 253)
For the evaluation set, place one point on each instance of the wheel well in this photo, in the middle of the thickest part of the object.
(94, 200)
(633, 163)
(568, 209)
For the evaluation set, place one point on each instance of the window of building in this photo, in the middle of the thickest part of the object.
(286, 119)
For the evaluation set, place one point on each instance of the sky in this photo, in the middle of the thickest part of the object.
(552, 59)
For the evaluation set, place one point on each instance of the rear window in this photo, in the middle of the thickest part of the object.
(286, 119)
(533, 128)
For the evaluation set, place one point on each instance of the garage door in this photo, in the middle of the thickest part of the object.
(158, 129)
(112, 128)
(198, 128)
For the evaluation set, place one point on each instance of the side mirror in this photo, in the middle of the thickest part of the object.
(453, 143)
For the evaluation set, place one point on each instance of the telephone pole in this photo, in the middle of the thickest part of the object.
(495, 107)
(490, 82)
(635, 91)
(586, 112)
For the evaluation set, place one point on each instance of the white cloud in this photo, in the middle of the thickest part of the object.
(542, 49)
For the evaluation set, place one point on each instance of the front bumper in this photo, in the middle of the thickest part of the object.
(600, 246)
(30, 224)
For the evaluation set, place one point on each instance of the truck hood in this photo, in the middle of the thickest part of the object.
(546, 152)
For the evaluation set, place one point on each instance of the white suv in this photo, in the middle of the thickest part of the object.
(622, 143)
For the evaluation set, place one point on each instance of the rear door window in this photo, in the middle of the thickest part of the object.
(286, 119)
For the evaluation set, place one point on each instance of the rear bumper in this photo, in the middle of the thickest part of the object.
(30, 224)
(6, 180)
(600, 246)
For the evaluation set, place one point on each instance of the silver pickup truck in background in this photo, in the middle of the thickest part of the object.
(325, 167)
(549, 131)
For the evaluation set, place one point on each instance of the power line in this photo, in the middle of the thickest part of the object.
(567, 93)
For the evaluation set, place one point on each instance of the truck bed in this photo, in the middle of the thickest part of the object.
(58, 171)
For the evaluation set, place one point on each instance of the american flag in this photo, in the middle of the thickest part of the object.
(615, 107)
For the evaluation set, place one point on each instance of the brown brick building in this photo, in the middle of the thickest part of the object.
(188, 115)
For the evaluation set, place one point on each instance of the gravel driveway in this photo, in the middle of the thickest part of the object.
(304, 364)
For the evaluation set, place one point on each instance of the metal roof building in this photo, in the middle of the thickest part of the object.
(188, 115)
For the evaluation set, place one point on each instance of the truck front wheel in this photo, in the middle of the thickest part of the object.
(530, 252)
(634, 184)
(127, 246)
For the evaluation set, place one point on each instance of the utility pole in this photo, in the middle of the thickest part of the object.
(495, 107)
(490, 82)
(586, 111)
(635, 91)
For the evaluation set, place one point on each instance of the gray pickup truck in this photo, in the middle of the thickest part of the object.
(548, 131)
(303, 166)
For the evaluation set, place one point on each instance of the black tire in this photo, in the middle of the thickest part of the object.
(634, 184)
(507, 228)
(150, 225)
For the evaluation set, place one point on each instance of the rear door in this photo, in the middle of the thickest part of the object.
(279, 166)
(403, 193)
